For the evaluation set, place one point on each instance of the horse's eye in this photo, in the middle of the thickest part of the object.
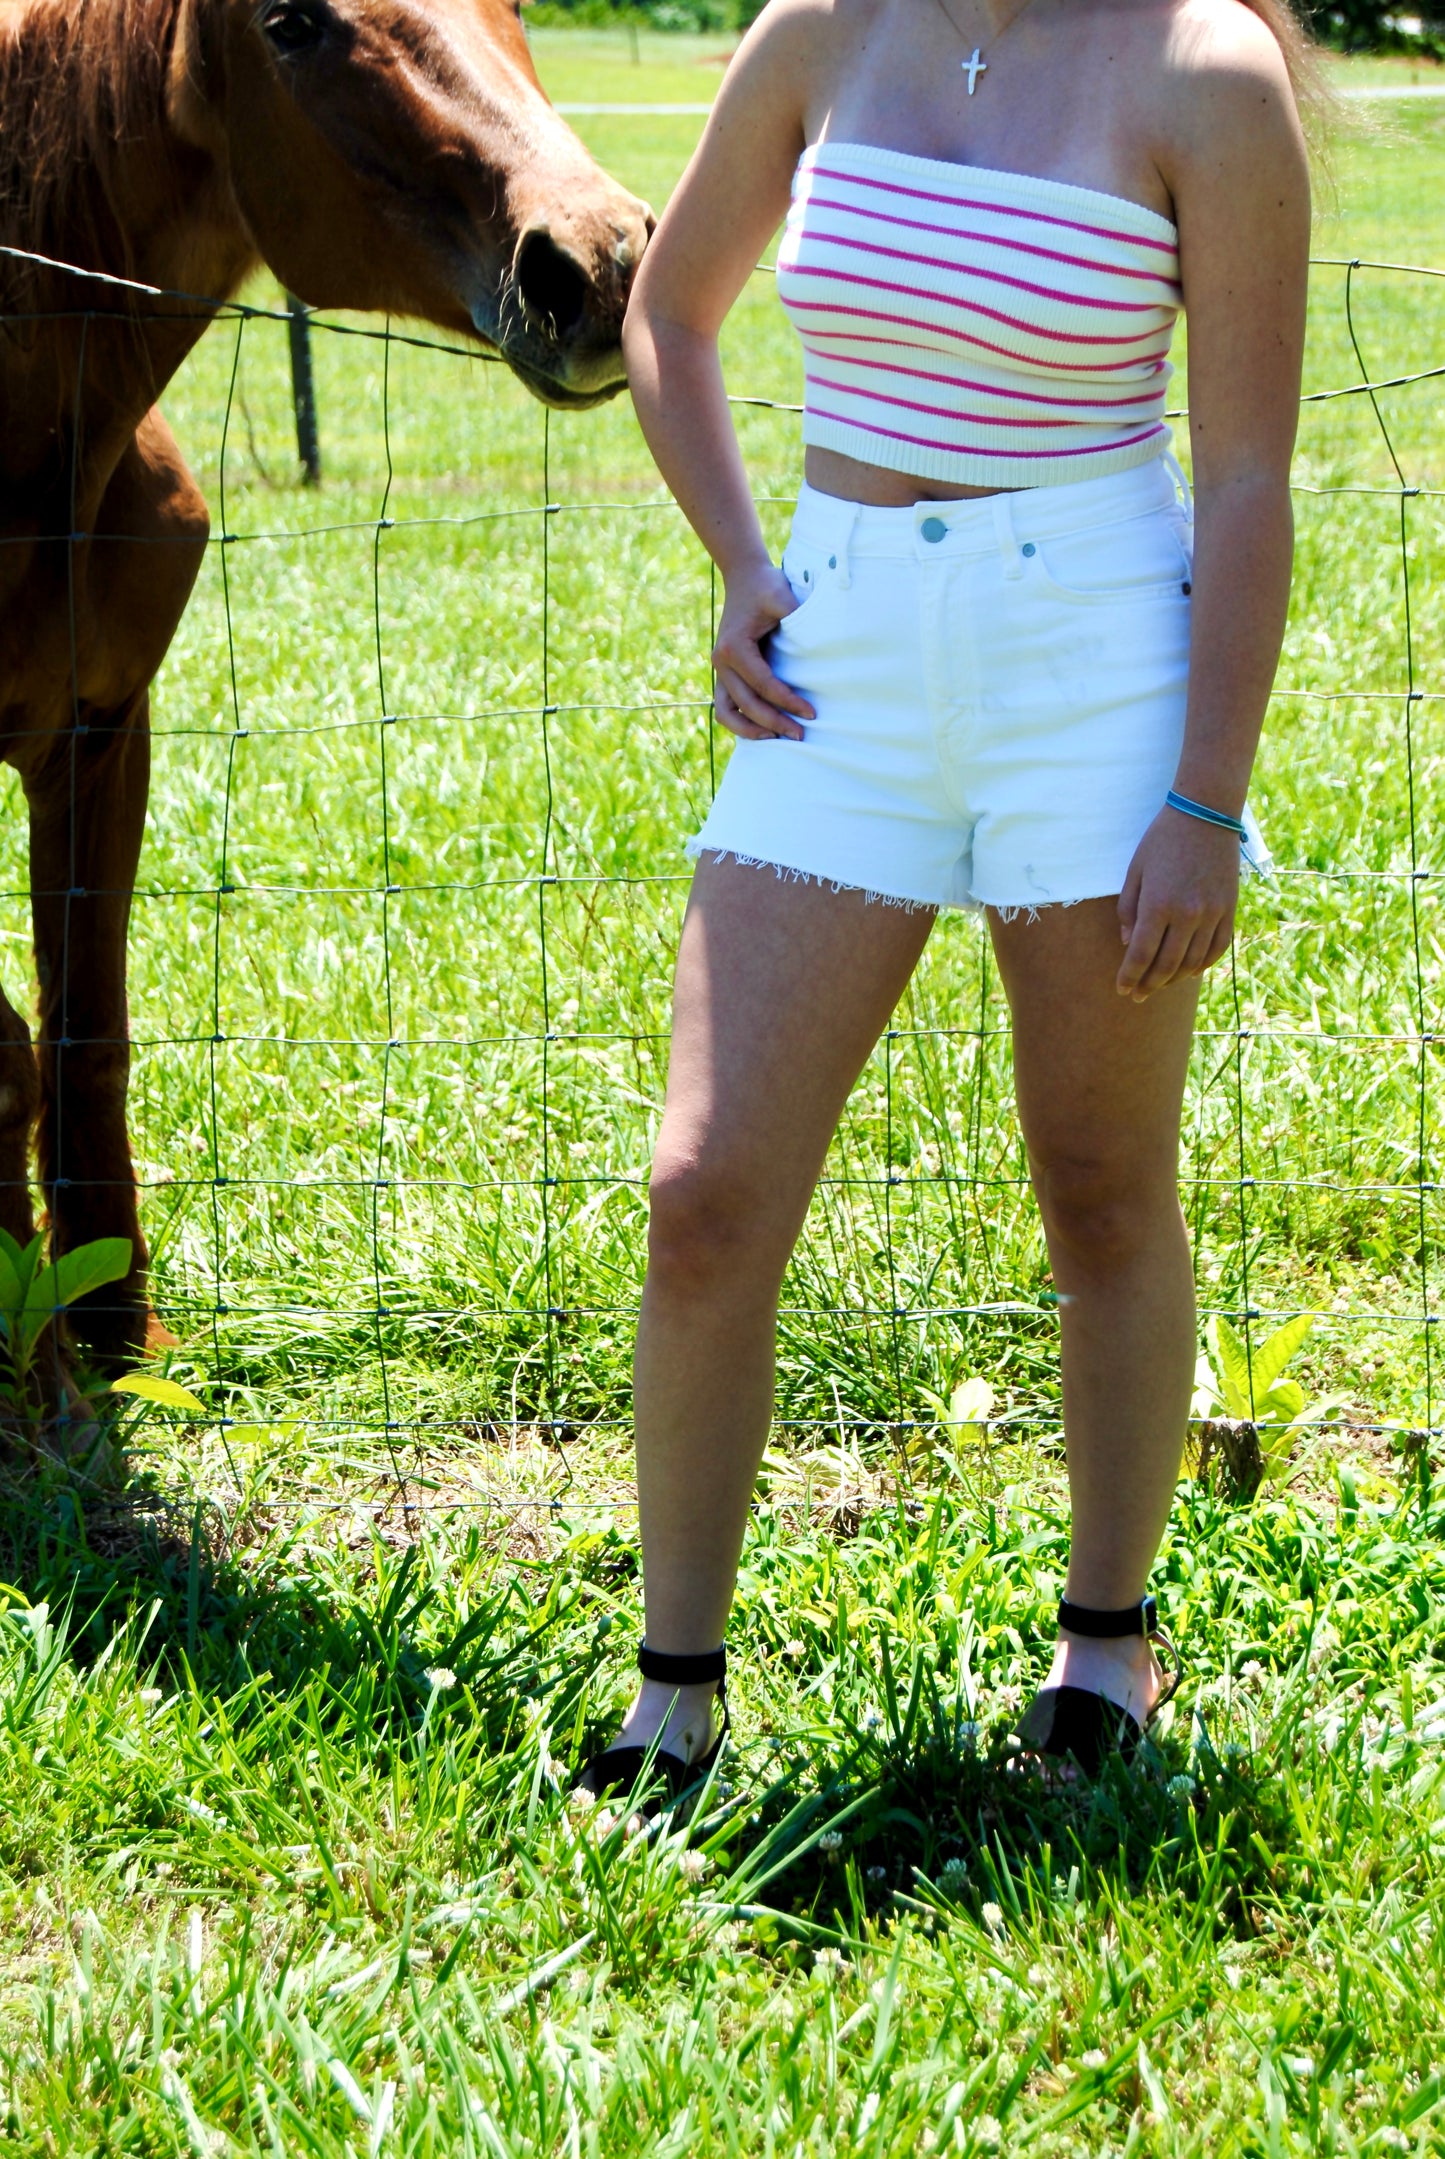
(293, 26)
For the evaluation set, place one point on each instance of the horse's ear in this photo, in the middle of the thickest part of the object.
(196, 79)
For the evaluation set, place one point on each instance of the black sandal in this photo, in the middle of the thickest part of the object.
(1064, 1722)
(621, 1769)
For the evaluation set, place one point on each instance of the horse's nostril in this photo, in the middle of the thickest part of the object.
(553, 286)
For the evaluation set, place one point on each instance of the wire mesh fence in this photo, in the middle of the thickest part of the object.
(426, 748)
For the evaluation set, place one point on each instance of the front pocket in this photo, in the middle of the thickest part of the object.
(1145, 558)
(804, 573)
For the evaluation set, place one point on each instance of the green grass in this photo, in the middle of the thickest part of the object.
(393, 1144)
(289, 1863)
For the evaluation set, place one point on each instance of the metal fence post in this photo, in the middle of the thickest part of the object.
(303, 390)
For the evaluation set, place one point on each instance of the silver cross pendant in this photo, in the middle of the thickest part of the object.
(973, 68)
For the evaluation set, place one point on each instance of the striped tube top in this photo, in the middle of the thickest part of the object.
(982, 327)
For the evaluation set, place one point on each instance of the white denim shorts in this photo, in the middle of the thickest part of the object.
(999, 687)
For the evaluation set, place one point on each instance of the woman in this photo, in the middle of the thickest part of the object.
(995, 670)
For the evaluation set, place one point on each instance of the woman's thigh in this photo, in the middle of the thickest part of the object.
(782, 990)
(1099, 1079)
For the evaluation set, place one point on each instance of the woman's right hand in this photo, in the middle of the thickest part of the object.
(749, 699)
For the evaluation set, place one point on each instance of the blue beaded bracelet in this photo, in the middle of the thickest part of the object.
(1207, 816)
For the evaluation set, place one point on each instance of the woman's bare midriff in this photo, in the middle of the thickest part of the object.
(849, 477)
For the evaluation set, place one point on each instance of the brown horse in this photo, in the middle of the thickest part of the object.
(386, 154)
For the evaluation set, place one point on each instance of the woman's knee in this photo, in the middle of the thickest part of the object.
(709, 1221)
(1104, 1212)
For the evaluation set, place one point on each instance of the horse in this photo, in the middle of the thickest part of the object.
(392, 155)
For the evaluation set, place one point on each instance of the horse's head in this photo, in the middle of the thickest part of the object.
(400, 155)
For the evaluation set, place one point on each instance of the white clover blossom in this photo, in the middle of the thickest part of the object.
(992, 1917)
(831, 1841)
(1181, 1787)
(440, 1678)
(694, 1866)
(955, 1872)
(1094, 2059)
(827, 1960)
(988, 2133)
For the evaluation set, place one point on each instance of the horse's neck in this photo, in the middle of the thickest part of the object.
(134, 202)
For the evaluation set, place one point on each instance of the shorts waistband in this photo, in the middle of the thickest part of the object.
(991, 523)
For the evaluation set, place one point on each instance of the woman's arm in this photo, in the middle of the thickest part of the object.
(727, 206)
(1237, 169)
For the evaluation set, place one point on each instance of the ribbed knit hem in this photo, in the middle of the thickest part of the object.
(971, 469)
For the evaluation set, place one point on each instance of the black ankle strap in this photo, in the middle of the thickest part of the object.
(1140, 1618)
(682, 1671)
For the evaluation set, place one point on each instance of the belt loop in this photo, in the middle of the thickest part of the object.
(845, 541)
(1181, 481)
(1003, 530)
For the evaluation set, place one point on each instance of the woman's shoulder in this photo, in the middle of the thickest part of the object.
(1224, 99)
(1226, 46)
(803, 27)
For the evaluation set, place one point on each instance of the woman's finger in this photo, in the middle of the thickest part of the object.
(1221, 941)
(1129, 902)
(728, 716)
(743, 656)
(1166, 962)
(1144, 941)
(1201, 944)
(756, 708)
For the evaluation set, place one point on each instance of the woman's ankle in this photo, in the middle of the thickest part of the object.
(683, 1720)
(1124, 1668)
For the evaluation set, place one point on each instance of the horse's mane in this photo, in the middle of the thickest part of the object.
(79, 80)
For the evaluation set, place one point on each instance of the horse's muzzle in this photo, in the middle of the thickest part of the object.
(558, 394)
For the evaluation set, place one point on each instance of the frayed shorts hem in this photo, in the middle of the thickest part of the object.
(699, 848)
(910, 902)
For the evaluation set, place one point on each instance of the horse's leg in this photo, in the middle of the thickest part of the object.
(87, 797)
(19, 1102)
(86, 826)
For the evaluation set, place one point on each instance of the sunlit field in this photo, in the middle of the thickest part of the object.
(286, 1861)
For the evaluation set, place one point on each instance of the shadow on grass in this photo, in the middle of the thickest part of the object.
(907, 1807)
(216, 1618)
(930, 1813)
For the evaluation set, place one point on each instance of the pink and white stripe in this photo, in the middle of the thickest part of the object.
(993, 329)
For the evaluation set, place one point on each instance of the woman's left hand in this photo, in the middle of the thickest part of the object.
(1176, 911)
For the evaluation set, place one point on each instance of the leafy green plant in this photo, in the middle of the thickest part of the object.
(33, 1294)
(966, 1414)
(1249, 1386)
(165, 1393)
